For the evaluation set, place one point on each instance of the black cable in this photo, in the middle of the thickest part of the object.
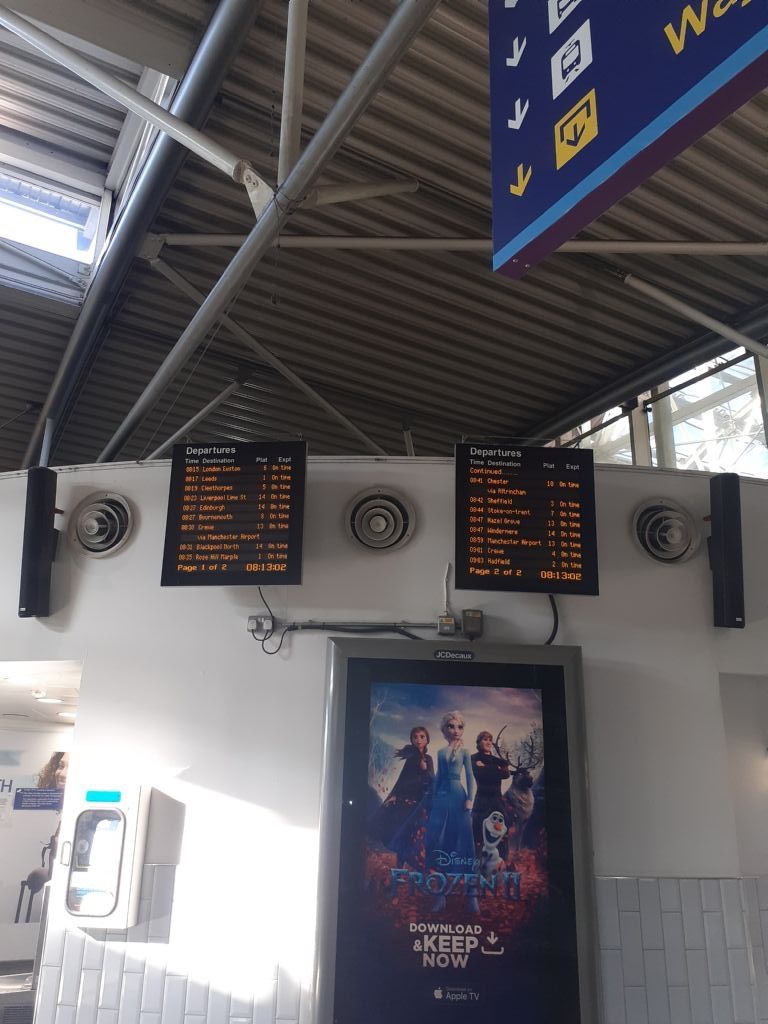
(383, 628)
(287, 629)
(555, 620)
(361, 630)
(293, 627)
(269, 612)
(30, 407)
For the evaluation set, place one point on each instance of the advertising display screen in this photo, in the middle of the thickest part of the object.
(235, 514)
(454, 877)
(525, 519)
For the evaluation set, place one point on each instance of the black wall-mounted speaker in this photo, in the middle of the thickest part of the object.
(725, 555)
(39, 543)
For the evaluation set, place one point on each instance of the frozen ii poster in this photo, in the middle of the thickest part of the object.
(456, 778)
(456, 873)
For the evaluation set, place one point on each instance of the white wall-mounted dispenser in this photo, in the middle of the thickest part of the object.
(102, 851)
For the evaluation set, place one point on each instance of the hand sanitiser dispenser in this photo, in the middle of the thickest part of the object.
(103, 854)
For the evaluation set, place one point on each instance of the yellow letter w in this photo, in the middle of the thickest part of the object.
(698, 23)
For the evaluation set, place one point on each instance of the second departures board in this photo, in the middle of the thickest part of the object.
(525, 519)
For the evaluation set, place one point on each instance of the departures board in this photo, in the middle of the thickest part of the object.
(235, 514)
(525, 519)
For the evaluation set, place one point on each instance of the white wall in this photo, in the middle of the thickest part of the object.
(174, 687)
(745, 712)
(22, 833)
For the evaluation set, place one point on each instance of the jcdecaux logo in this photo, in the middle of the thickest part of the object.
(444, 655)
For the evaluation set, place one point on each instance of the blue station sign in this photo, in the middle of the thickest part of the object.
(591, 97)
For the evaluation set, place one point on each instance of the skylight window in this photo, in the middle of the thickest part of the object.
(48, 220)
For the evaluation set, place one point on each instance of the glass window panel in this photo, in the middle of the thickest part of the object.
(45, 219)
(714, 424)
(611, 443)
(708, 367)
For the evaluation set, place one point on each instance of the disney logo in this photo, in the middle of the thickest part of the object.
(443, 859)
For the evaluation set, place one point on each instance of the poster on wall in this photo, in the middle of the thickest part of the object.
(37, 799)
(454, 875)
(32, 782)
(43, 791)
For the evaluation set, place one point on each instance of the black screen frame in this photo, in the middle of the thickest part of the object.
(446, 663)
(589, 585)
(244, 453)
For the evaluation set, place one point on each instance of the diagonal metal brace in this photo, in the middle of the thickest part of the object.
(192, 138)
(408, 17)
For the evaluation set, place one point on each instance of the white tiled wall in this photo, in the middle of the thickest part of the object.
(683, 951)
(672, 951)
(105, 977)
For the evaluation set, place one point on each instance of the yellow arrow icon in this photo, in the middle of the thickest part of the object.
(523, 177)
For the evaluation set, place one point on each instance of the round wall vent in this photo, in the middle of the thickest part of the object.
(380, 519)
(666, 531)
(101, 524)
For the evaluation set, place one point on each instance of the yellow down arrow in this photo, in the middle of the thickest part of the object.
(523, 177)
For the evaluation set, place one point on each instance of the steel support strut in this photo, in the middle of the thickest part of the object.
(293, 88)
(223, 38)
(696, 315)
(406, 21)
(191, 423)
(659, 370)
(329, 194)
(206, 148)
(267, 356)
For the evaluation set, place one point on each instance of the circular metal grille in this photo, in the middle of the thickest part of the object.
(380, 520)
(666, 531)
(102, 524)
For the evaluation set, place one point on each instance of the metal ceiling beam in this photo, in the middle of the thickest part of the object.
(383, 57)
(267, 355)
(186, 134)
(149, 40)
(293, 88)
(410, 451)
(661, 248)
(692, 313)
(619, 246)
(152, 84)
(353, 191)
(191, 423)
(207, 148)
(194, 99)
(652, 374)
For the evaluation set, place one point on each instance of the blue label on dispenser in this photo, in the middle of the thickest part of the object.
(103, 796)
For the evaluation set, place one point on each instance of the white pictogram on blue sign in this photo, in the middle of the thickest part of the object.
(573, 57)
(559, 10)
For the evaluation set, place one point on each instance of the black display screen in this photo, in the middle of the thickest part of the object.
(525, 519)
(429, 929)
(235, 514)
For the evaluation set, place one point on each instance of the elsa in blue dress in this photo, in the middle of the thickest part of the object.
(449, 843)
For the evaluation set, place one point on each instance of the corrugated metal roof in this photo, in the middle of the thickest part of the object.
(434, 340)
(48, 118)
(47, 109)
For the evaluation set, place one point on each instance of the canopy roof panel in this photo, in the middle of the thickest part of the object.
(428, 339)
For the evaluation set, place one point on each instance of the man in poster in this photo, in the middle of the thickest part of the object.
(489, 771)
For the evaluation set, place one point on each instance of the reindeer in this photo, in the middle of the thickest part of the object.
(519, 797)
